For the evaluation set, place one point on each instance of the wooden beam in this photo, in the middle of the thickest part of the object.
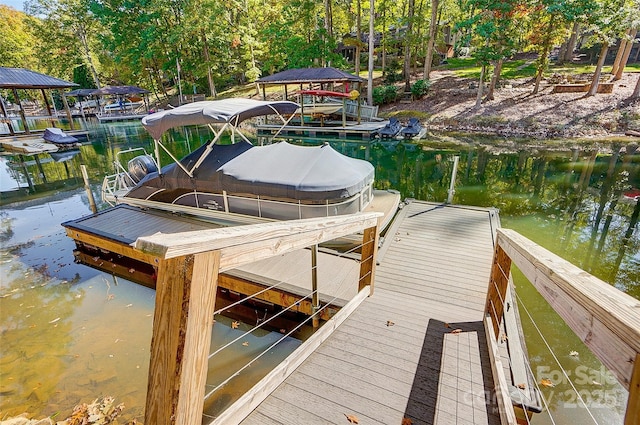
(181, 338)
(606, 319)
(632, 416)
(197, 340)
(501, 396)
(498, 283)
(263, 240)
(277, 296)
(368, 259)
(115, 247)
(164, 367)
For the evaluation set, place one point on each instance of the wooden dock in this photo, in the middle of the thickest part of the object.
(399, 355)
(420, 343)
(364, 131)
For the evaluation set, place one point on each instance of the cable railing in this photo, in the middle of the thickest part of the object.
(189, 266)
(603, 317)
(317, 312)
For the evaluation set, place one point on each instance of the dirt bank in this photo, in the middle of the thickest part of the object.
(450, 106)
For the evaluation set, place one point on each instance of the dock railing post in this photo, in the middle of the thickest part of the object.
(632, 414)
(498, 283)
(315, 304)
(368, 258)
(181, 338)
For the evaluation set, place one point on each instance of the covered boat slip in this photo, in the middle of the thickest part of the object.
(417, 348)
(104, 241)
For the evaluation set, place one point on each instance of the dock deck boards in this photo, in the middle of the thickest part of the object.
(432, 278)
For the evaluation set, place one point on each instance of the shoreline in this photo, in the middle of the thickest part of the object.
(449, 106)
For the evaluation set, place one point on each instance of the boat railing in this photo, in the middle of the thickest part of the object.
(114, 186)
(606, 319)
(117, 184)
(189, 265)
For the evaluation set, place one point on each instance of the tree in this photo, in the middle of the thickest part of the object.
(494, 25)
(65, 29)
(16, 43)
(372, 13)
(407, 41)
(607, 22)
(550, 22)
(432, 39)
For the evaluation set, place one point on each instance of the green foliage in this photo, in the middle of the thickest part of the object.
(16, 42)
(420, 88)
(393, 72)
(81, 76)
(378, 95)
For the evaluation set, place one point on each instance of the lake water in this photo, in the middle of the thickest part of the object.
(71, 333)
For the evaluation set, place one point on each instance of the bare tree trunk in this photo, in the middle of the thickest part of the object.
(358, 35)
(480, 86)
(407, 42)
(619, 53)
(636, 92)
(571, 44)
(212, 86)
(625, 56)
(432, 35)
(87, 53)
(596, 75)
(372, 13)
(494, 80)
(328, 18)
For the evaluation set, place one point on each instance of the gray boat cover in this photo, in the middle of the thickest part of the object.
(57, 136)
(232, 111)
(280, 170)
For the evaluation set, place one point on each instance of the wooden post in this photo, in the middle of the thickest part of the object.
(42, 174)
(498, 283)
(87, 187)
(6, 115)
(46, 102)
(67, 110)
(315, 304)
(368, 258)
(181, 338)
(24, 118)
(632, 416)
(26, 174)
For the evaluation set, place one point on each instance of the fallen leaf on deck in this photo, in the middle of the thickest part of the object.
(235, 324)
(503, 337)
(456, 331)
(390, 323)
(352, 419)
(546, 382)
(407, 421)
(521, 386)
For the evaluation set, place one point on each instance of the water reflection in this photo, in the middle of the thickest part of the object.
(570, 201)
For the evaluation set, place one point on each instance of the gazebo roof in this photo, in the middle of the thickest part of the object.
(119, 90)
(20, 78)
(310, 75)
(80, 92)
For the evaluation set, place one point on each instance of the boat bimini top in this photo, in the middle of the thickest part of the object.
(228, 112)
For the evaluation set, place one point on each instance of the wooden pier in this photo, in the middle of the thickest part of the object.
(417, 348)
(421, 342)
(364, 131)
